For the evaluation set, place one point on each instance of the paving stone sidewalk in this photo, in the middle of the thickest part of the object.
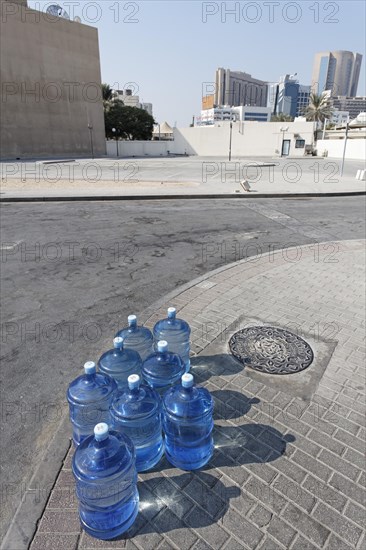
(288, 467)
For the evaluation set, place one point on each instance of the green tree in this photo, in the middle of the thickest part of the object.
(319, 108)
(130, 123)
(281, 117)
(107, 93)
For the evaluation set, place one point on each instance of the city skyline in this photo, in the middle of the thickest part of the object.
(166, 52)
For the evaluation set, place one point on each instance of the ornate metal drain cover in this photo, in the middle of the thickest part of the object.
(271, 350)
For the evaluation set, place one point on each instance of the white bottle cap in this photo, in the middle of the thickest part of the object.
(101, 431)
(90, 367)
(162, 346)
(133, 381)
(118, 342)
(187, 380)
(132, 320)
(171, 312)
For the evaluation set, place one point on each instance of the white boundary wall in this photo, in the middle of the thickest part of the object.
(248, 139)
(139, 148)
(355, 148)
(257, 139)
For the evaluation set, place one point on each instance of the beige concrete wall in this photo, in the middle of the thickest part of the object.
(355, 148)
(254, 139)
(139, 148)
(248, 139)
(50, 86)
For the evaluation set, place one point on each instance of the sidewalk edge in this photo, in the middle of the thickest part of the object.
(79, 198)
(30, 510)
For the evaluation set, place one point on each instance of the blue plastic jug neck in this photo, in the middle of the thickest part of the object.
(172, 314)
(132, 321)
(118, 344)
(101, 444)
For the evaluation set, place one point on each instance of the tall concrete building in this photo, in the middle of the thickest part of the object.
(236, 88)
(51, 102)
(336, 71)
(288, 96)
(211, 117)
(353, 105)
(130, 100)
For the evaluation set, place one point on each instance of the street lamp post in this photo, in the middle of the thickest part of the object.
(283, 130)
(231, 135)
(90, 126)
(344, 147)
(114, 130)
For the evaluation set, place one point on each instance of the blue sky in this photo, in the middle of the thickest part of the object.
(169, 49)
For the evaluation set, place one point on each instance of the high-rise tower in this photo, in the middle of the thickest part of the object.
(337, 71)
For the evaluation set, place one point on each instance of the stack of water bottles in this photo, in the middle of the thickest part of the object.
(142, 402)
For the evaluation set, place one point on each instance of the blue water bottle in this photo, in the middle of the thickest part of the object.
(106, 483)
(119, 363)
(177, 333)
(136, 412)
(89, 397)
(137, 337)
(188, 424)
(162, 369)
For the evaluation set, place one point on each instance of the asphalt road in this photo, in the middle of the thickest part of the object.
(72, 272)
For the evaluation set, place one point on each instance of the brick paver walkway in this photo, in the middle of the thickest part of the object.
(288, 471)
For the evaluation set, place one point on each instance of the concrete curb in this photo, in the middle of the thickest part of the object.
(250, 195)
(24, 524)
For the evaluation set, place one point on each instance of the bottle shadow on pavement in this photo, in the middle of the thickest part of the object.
(230, 404)
(172, 499)
(247, 444)
(184, 499)
(243, 443)
(203, 367)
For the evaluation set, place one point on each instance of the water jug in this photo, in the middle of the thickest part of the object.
(136, 412)
(119, 363)
(89, 397)
(188, 424)
(106, 483)
(177, 333)
(137, 337)
(162, 369)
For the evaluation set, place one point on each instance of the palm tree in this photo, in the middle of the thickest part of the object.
(281, 117)
(107, 92)
(108, 96)
(319, 110)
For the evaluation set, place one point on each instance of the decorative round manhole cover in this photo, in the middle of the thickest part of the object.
(271, 350)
